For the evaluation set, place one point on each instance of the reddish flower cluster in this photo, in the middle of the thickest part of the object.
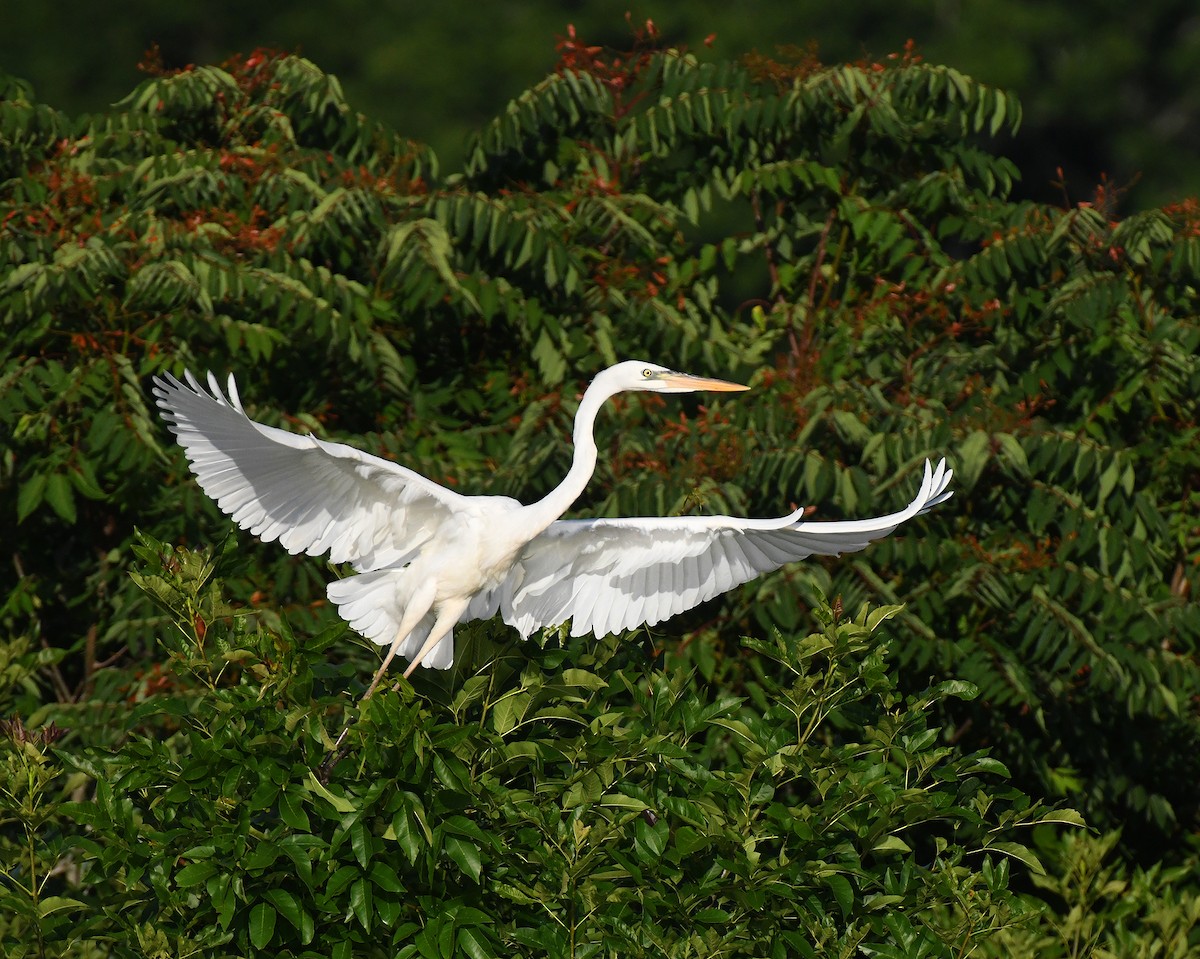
(243, 235)
(705, 446)
(789, 64)
(1187, 214)
(618, 72)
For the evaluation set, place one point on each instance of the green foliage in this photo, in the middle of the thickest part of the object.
(34, 920)
(553, 801)
(1106, 912)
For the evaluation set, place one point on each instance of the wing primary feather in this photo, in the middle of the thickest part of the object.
(234, 399)
(667, 589)
(754, 553)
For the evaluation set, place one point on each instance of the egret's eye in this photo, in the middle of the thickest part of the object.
(647, 373)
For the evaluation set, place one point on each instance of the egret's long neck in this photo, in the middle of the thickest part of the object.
(551, 506)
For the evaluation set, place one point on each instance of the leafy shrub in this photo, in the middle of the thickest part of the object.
(1105, 909)
(568, 799)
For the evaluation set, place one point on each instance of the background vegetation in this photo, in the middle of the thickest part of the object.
(1108, 88)
(861, 778)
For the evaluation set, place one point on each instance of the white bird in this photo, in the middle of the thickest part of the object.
(428, 558)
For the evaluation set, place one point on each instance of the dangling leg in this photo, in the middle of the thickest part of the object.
(447, 619)
(418, 606)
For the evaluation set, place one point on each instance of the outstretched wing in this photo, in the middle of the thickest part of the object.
(609, 575)
(311, 495)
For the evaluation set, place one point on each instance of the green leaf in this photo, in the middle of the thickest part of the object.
(509, 710)
(1013, 453)
(384, 876)
(581, 677)
(406, 834)
(465, 855)
(30, 495)
(292, 813)
(987, 764)
(60, 497)
(361, 899)
(651, 840)
(958, 688)
(880, 615)
(53, 904)
(361, 842)
(843, 893)
(1068, 817)
(472, 942)
(1021, 853)
(972, 457)
(891, 844)
(262, 924)
(339, 803)
(194, 874)
(287, 906)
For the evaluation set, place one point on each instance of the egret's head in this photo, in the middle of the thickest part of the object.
(652, 378)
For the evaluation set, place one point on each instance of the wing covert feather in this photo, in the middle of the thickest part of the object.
(610, 575)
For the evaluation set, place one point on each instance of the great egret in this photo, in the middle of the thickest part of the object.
(428, 558)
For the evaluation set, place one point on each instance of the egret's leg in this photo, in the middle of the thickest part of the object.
(418, 607)
(447, 619)
(401, 635)
(420, 604)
